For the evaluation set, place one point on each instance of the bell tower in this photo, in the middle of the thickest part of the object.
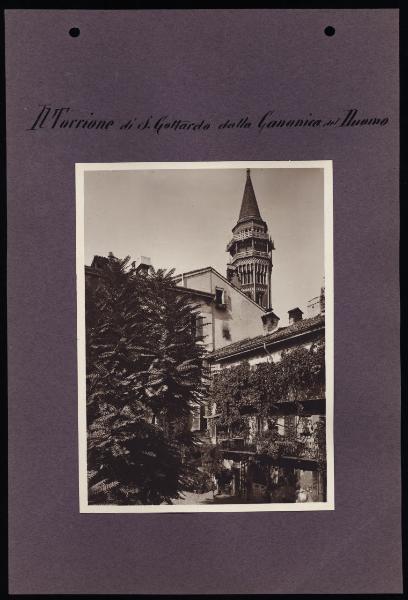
(251, 251)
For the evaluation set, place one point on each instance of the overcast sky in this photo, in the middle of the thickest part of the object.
(183, 219)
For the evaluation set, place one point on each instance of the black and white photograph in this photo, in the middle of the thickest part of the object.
(205, 336)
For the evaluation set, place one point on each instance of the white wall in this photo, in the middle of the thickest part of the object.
(240, 319)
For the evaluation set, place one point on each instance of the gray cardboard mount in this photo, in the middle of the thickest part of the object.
(214, 65)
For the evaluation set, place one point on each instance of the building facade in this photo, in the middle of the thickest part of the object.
(298, 417)
(226, 314)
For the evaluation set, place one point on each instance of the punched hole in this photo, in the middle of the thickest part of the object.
(329, 31)
(74, 32)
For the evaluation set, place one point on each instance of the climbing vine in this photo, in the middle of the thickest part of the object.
(242, 393)
(241, 390)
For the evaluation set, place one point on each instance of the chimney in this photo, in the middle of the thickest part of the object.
(236, 281)
(232, 276)
(270, 322)
(142, 264)
(295, 315)
(322, 301)
(230, 272)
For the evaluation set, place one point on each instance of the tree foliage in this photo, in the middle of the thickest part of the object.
(145, 375)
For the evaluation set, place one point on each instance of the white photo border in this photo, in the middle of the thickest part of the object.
(80, 170)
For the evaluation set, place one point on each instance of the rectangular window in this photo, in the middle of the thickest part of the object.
(203, 421)
(281, 425)
(219, 296)
(196, 422)
(197, 326)
(193, 324)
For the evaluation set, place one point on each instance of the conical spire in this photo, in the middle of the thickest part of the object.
(249, 206)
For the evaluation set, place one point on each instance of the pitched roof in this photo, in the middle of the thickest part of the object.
(194, 292)
(249, 206)
(179, 277)
(302, 326)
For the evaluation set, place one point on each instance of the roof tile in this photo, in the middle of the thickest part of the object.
(280, 334)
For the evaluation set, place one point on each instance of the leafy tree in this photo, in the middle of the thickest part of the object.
(145, 375)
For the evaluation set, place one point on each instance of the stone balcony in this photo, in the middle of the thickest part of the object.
(243, 235)
(250, 252)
